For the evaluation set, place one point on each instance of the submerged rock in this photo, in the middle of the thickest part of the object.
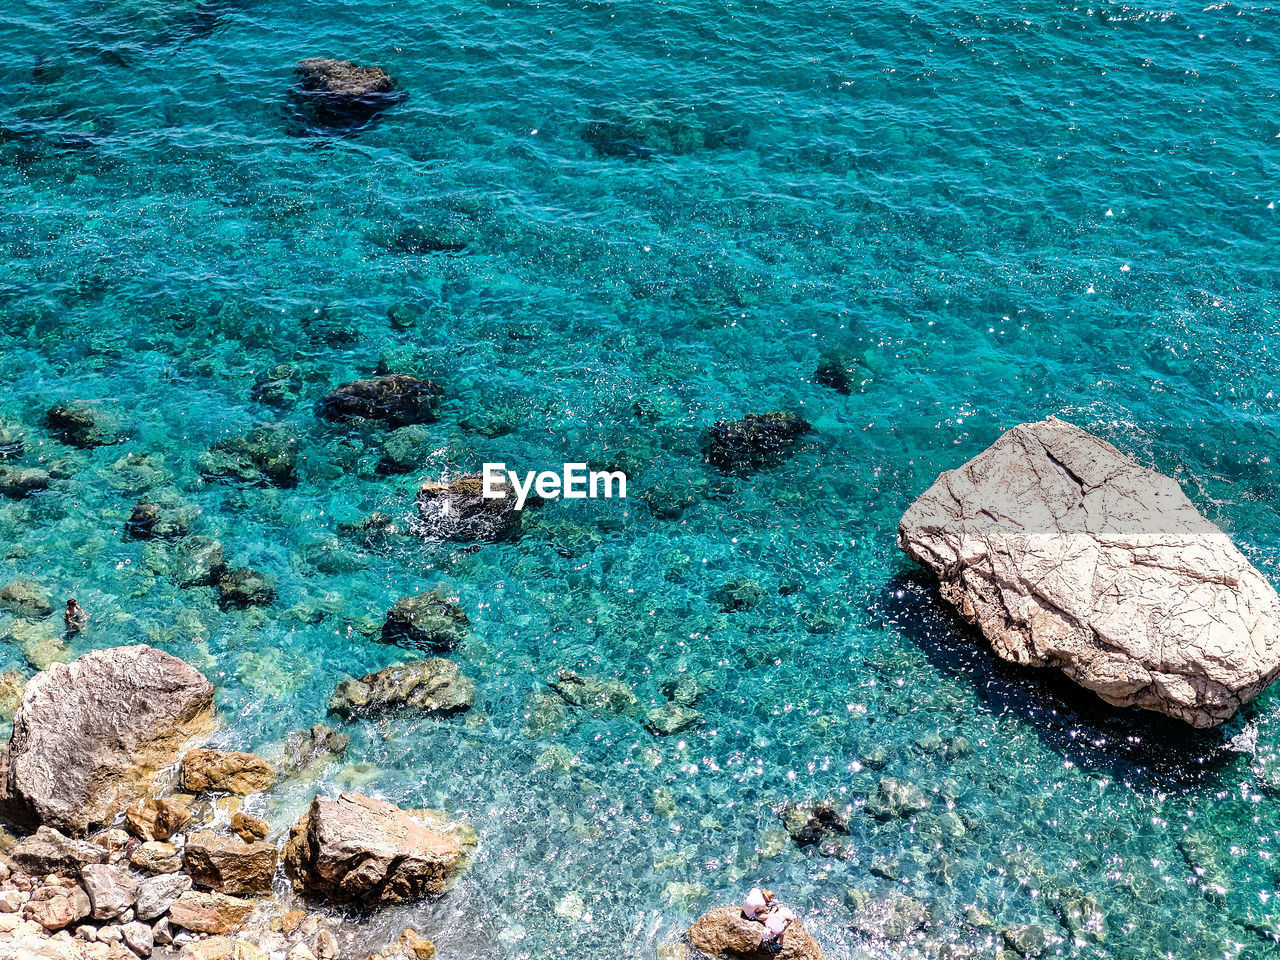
(338, 93)
(81, 424)
(25, 598)
(406, 449)
(245, 588)
(592, 693)
(755, 441)
(266, 456)
(397, 400)
(428, 686)
(353, 849)
(431, 621)
(1066, 553)
(197, 562)
(12, 683)
(18, 482)
(725, 933)
(671, 718)
(12, 444)
(164, 517)
(815, 821)
(307, 749)
(91, 736)
(896, 799)
(893, 918)
(225, 771)
(839, 371)
(460, 511)
(278, 386)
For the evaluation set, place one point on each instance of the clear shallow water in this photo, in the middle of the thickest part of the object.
(1010, 211)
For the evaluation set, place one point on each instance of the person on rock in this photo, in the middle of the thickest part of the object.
(76, 617)
(757, 904)
(776, 922)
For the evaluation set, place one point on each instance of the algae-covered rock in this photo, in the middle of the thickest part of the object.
(265, 456)
(755, 441)
(341, 94)
(428, 686)
(245, 588)
(896, 799)
(19, 482)
(430, 621)
(165, 516)
(26, 598)
(593, 693)
(458, 510)
(81, 424)
(397, 400)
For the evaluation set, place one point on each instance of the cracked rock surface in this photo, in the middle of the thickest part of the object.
(1066, 553)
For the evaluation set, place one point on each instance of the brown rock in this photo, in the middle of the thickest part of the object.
(156, 856)
(355, 849)
(229, 865)
(724, 932)
(157, 818)
(209, 912)
(57, 908)
(224, 771)
(48, 851)
(91, 736)
(249, 828)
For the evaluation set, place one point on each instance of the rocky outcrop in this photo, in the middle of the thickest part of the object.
(755, 441)
(725, 933)
(460, 511)
(91, 736)
(1066, 553)
(397, 400)
(431, 621)
(353, 849)
(166, 517)
(229, 864)
(426, 686)
(225, 771)
(249, 828)
(339, 92)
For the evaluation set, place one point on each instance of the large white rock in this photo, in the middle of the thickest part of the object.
(1066, 553)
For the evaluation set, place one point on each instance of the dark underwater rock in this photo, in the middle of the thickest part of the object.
(757, 440)
(198, 562)
(814, 821)
(431, 621)
(18, 482)
(265, 456)
(649, 131)
(592, 693)
(459, 511)
(893, 918)
(339, 93)
(278, 386)
(12, 445)
(427, 686)
(671, 718)
(739, 595)
(441, 236)
(839, 371)
(81, 424)
(165, 517)
(405, 450)
(308, 750)
(245, 588)
(397, 400)
(25, 598)
(896, 799)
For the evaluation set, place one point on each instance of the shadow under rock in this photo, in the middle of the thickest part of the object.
(1129, 744)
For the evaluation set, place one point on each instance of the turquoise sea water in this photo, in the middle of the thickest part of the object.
(667, 213)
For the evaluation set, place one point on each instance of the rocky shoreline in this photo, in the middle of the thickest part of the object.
(127, 860)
